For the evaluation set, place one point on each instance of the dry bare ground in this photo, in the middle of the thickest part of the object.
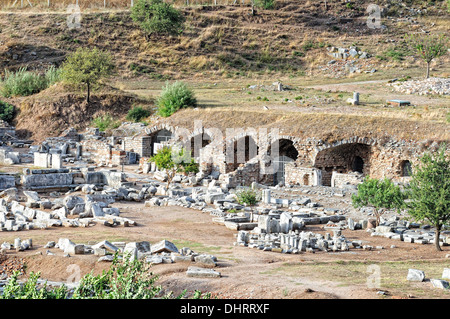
(246, 273)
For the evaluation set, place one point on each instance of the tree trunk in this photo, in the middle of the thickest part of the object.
(436, 239)
(378, 215)
(88, 92)
(428, 69)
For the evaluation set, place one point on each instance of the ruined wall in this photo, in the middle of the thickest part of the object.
(307, 176)
(102, 153)
(142, 145)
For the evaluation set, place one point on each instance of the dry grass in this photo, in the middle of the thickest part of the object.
(325, 126)
(356, 273)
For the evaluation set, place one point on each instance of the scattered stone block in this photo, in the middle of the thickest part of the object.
(415, 275)
(164, 246)
(446, 273)
(441, 284)
(202, 272)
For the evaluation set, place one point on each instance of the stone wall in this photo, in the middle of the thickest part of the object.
(306, 176)
(340, 180)
(103, 153)
(141, 145)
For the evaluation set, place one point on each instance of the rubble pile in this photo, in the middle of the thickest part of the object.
(440, 86)
(398, 229)
(70, 211)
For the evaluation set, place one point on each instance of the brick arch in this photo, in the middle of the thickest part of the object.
(153, 138)
(351, 155)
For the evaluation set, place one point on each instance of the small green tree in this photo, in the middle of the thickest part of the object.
(157, 17)
(428, 46)
(382, 195)
(174, 159)
(87, 66)
(429, 192)
(249, 197)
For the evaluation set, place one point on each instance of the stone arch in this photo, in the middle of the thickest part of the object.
(240, 150)
(281, 152)
(198, 142)
(343, 158)
(158, 136)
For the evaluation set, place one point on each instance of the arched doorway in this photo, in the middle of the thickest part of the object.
(244, 149)
(346, 158)
(406, 168)
(283, 152)
(158, 138)
(358, 164)
(198, 142)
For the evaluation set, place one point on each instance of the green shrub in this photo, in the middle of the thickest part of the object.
(191, 167)
(125, 279)
(265, 4)
(395, 54)
(174, 97)
(31, 289)
(6, 112)
(24, 83)
(248, 196)
(105, 122)
(157, 17)
(137, 113)
(309, 45)
(52, 76)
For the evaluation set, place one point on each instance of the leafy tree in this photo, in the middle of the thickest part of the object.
(174, 159)
(157, 17)
(87, 66)
(429, 192)
(429, 47)
(382, 195)
(174, 97)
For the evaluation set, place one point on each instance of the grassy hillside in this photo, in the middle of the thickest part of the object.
(223, 51)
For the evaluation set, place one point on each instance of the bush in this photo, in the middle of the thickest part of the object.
(125, 279)
(137, 113)
(248, 196)
(157, 17)
(265, 4)
(105, 122)
(24, 83)
(52, 76)
(191, 167)
(6, 112)
(174, 97)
